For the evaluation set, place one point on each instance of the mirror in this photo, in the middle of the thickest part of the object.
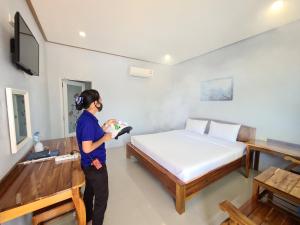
(18, 118)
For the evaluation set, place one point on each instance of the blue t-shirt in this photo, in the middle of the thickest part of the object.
(88, 129)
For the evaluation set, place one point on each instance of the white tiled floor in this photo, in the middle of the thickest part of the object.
(137, 198)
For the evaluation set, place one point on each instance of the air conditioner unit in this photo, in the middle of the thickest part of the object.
(140, 72)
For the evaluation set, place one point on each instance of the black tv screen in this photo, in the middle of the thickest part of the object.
(26, 47)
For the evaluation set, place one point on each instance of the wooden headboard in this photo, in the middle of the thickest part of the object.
(246, 133)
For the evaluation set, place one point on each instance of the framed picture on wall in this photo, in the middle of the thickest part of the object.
(217, 90)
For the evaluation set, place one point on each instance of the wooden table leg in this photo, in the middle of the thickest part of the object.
(255, 190)
(291, 166)
(248, 153)
(79, 206)
(256, 162)
(251, 157)
(270, 196)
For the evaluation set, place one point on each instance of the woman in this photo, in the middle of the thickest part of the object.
(91, 138)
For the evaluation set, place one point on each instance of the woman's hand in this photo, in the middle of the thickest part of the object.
(107, 137)
(108, 123)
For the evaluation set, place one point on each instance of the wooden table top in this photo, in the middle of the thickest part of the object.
(27, 183)
(276, 147)
(281, 180)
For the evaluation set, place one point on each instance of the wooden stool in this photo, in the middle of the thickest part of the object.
(52, 212)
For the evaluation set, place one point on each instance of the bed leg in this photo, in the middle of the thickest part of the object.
(180, 198)
(128, 154)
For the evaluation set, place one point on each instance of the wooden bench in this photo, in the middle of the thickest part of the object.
(255, 212)
(275, 200)
(52, 212)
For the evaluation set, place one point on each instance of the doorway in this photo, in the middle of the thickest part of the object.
(71, 89)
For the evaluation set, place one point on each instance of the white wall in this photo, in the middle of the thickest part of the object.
(11, 77)
(266, 72)
(134, 100)
(266, 85)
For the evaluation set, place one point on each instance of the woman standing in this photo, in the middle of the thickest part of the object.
(91, 138)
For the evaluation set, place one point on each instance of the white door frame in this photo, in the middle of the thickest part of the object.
(65, 82)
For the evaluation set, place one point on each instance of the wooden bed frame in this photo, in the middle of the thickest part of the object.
(180, 190)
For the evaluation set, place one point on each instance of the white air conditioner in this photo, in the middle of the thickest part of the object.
(140, 72)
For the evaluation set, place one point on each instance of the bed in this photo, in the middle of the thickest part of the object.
(185, 162)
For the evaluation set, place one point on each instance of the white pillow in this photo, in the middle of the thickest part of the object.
(197, 126)
(224, 131)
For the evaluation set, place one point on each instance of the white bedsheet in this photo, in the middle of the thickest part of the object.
(186, 154)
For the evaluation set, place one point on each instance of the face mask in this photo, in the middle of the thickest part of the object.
(99, 107)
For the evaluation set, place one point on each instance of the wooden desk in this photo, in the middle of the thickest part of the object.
(280, 182)
(277, 148)
(27, 188)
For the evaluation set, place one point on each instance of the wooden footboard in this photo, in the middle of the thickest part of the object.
(178, 189)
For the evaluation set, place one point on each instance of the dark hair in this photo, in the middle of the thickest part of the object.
(86, 98)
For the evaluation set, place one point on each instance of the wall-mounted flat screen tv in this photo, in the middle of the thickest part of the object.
(25, 47)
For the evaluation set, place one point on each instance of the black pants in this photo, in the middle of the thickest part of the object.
(96, 186)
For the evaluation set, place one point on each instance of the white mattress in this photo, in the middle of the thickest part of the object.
(186, 154)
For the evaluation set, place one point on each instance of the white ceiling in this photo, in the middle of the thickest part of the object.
(150, 29)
